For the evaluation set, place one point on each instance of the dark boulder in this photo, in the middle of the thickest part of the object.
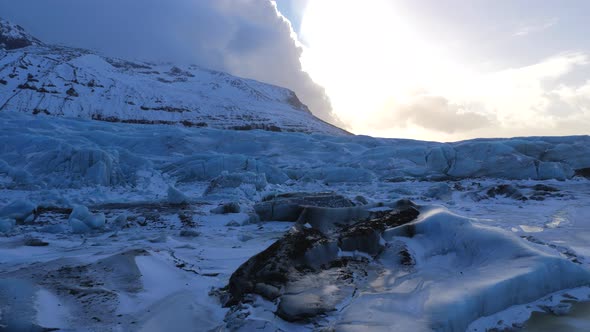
(35, 242)
(542, 191)
(365, 236)
(231, 207)
(274, 266)
(545, 188)
(506, 190)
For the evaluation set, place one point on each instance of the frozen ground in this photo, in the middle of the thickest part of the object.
(502, 231)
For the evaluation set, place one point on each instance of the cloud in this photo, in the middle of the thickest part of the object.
(543, 98)
(525, 30)
(243, 37)
(568, 107)
(434, 113)
(519, 96)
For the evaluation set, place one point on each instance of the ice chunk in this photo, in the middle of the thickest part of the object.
(176, 197)
(440, 191)
(249, 183)
(575, 153)
(204, 167)
(119, 222)
(79, 226)
(440, 159)
(289, 206)
(6, 225)
(81, 220)
(332, 174)
(491, 159)
(19, 176)
(83, 166)
(79, 212)
(95, 220)
(461, 271)
(554, 170)
(271, 174)
(19, 210)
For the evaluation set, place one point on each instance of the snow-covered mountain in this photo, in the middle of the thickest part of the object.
(13, 36)
(61, 81)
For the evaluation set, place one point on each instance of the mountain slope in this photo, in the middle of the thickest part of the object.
(13, 36)
(61, 81)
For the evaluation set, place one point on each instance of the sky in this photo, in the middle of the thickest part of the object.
(422, 69)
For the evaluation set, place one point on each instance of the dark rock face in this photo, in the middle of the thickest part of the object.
(288, 207)
(330, 220)
(365, 236)
(304, 272)
(583, 172)
(542, 191)
(11, 44)
(295, 102)
(72, 92)
(506, 190)
(538, 192)
(34, 242)
(189, 233)
(545, 188)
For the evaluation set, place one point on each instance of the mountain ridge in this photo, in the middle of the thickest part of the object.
(13, 36)
(62, 81)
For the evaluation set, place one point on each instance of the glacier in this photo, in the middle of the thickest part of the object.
(192, 205)
(46, 152)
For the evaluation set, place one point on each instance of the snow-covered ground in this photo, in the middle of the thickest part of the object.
(129, 227)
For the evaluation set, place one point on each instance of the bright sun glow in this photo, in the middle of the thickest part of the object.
(387, 75)
(369, 57)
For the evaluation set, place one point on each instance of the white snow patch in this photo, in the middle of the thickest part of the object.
(51, 311)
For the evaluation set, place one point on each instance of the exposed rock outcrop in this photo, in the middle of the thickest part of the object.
(305, 270)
